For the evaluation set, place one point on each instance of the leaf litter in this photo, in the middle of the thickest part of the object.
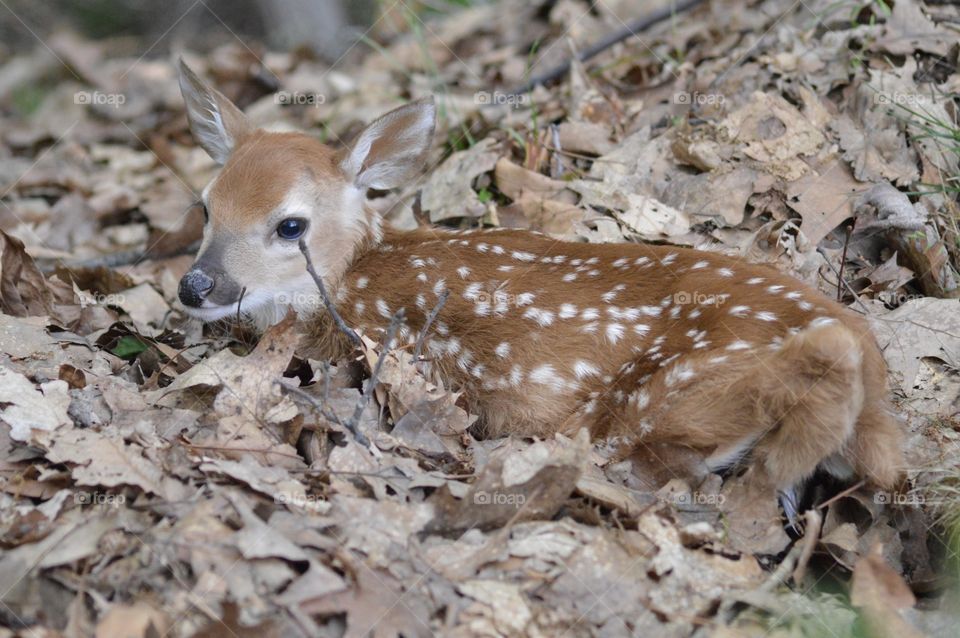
(159, 478)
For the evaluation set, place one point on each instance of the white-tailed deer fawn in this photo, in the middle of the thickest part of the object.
(650, 344)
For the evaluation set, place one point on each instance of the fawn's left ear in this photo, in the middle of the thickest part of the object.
(216, 122)
(392, 149)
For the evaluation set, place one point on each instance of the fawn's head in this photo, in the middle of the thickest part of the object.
(277, 188)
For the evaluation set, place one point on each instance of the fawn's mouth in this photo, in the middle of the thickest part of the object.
(213, 312)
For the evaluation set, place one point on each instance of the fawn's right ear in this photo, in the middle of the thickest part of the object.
(216, 122)
(392, 149)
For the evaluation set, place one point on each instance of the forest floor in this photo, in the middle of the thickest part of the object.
(156, 480)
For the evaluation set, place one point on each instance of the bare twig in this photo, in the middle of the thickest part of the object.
(811, 535)
(115, 260)
(843, 260)
(634, 26)
(337, 319)
(426, 326)
(354, 423)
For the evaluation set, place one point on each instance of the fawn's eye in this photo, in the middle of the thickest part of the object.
(206, 214)
(291, 228)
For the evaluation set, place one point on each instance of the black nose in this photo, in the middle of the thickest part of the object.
(194, 288)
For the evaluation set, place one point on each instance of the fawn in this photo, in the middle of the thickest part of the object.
(653, 345)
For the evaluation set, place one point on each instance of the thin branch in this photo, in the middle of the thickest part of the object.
(337, 319)
(630, 29)
(115, 260)
(426, 326)
(354, 423)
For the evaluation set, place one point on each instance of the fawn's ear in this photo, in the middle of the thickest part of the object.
(392, 149)
(216, 122)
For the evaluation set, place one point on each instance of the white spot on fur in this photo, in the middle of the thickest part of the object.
(472, 292)
(652, 311)
(774, 289)
(567, 311)
(439, 287)
(502, 350)
(739, 345)
(422, 277)
(639, 399)
(753, 281)
(725, 272)
(463, 271)
(740, 311)
(505, 268)
(523, 256)
(678, 374)
(383, 308)
(572, 276)
(546, 375)
(589, 314)
(699, 265)
(805, 306)
(583, 369)
(525, 298)
(542, 317)
(641, 329)
(614, 332)
(669, 259)
(421, 301)
(359, 307)
(362, 282)
(766, 316)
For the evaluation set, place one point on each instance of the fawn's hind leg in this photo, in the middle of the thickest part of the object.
(790, 408)
(814, 394)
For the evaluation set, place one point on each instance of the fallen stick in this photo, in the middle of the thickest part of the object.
(337, 319)
(631, 28)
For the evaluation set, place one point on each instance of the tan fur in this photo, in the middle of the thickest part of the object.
(658, 347)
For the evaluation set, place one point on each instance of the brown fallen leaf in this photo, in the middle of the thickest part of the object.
(23, 288)
(377, 605)
(881, 593)
(516, 485)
